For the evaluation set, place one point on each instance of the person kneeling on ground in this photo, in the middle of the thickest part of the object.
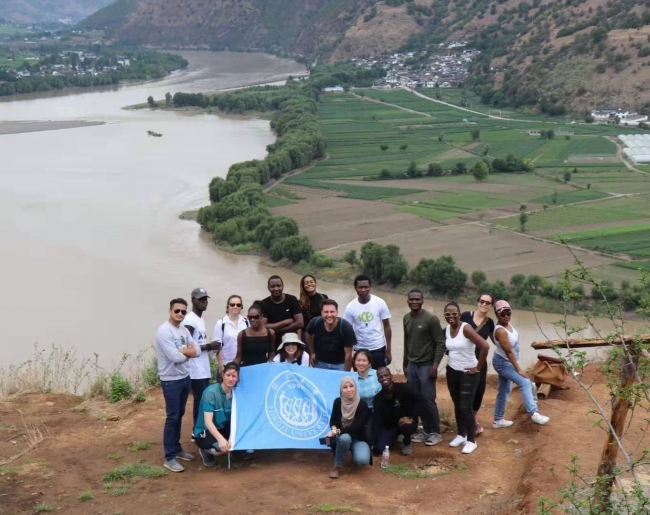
(348, 421)
(394, 413)
(213, 425)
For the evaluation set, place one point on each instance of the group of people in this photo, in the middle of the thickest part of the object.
(372, 410)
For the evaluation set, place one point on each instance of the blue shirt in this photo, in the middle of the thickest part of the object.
(368, 387)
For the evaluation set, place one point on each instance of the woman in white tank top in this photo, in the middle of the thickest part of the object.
(506, 364)
(463, 374)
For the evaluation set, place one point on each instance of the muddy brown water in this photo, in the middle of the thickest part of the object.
(93, 248)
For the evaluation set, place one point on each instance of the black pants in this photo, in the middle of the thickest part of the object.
(480, 390)
(206, 441)
(387, 435)
(198, 386)
(462, 388)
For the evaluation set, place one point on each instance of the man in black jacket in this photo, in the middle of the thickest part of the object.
(394, 412)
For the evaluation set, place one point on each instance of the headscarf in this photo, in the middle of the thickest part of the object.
(348, 406)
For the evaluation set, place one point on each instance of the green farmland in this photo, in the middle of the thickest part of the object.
(633, 240)
(372, 132)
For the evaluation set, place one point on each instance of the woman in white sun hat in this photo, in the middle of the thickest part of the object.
(292, 350)
(506, 364)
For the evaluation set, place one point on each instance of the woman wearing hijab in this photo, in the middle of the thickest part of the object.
(349, 417)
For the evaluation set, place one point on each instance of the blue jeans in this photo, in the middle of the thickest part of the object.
(330, 366)
(360, 451)
(198, 386)
(176, 394)
(387, 435)
(508, 375)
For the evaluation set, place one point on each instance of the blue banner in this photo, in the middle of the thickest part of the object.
(283, 406)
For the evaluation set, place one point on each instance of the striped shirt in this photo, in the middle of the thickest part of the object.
(368, 387)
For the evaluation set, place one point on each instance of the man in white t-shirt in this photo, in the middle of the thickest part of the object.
(370, 318)
(200, 373)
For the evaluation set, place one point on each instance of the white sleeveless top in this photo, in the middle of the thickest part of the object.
(513, 338)
(461, 350)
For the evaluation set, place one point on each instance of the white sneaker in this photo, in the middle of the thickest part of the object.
(498, 424)
(469, 448)
(458, 441)
(538, 418)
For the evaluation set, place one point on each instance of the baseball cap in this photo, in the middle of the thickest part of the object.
(290, 338)
(199, 293)
(501, 305)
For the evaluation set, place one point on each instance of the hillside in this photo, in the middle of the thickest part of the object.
(549, 55)
(35, 11)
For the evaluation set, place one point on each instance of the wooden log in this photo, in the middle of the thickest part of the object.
(581, 343)
(543, 391)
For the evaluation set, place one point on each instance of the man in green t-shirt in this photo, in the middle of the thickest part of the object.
(424, 348)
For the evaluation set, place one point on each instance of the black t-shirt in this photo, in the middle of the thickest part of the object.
(285, 310)
(329, 346)
(486, 330)
(314, 307)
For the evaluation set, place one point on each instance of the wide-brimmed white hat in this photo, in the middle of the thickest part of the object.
(290, 338)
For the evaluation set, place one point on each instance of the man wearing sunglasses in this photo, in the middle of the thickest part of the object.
(174, 348)
(200, 373)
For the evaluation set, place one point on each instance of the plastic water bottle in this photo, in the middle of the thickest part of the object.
(385, 456)
(534, 387)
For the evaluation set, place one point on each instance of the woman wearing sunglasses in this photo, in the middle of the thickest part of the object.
(506, 364)
(463, 374)
(484, 326)
(227, 329)
(255, 344)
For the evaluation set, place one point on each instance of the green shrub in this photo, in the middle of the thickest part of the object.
(322, 260)
(140, 396)
(150, 375)
(86, 496)
(350, 257)
(120, 388)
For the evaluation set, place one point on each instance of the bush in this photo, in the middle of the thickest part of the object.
(478, 278)
(322, 260)
(150, 375)
(350, 257)
(120, 388)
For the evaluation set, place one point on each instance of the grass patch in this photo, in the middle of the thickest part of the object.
(134, 471)
(38, 461)
(256, 466)
(120, 490)
(635, 265)
(9, 470)
(41, 507)
(140, 445)
(334, 508)
(86, 496)
(412, 471)
(116, 457)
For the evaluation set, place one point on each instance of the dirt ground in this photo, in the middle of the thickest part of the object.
(507, 474)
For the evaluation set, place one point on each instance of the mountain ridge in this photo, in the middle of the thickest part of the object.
(35, 11)
(547, 55)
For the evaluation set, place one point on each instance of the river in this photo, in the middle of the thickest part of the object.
(93, 248)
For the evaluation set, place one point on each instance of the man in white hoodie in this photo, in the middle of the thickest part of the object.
(174, 348)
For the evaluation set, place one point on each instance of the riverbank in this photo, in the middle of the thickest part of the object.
(84, 440)
(21, 127)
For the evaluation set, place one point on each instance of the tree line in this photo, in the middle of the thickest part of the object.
(144, 65)
(386, 265)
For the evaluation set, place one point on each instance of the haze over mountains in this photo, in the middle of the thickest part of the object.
(36, 11)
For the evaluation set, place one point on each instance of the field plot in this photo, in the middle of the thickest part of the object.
(623, 181)
(569, 217)
(634, 240)
(500, 254)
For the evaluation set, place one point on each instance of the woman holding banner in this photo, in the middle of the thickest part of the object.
(212, 429)
(348, 421)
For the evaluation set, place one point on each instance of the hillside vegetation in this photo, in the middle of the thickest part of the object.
(552, 56)
(34, 11)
